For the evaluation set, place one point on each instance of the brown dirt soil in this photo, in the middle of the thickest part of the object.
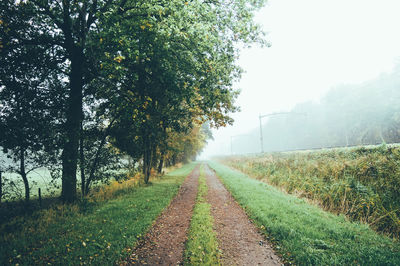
(165, 242)
(238, 238)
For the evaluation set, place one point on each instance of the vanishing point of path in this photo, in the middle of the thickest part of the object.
(238, 238)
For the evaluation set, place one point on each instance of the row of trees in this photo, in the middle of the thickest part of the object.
(348, 115)
(84, 82)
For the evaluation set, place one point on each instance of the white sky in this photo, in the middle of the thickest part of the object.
(316, 45)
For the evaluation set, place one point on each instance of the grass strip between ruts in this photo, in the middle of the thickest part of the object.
(202, 245)
(303, 233)
(100, 234)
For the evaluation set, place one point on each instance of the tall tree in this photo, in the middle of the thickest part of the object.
(64, 28)
(170, 63)
(25, 78)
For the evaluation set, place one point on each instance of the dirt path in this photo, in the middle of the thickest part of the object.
(165, 242)
(238, 238)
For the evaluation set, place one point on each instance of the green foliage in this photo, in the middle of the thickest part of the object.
(89, 232)
(362, 183)
(202, 245)
(117, 73)
(304, 234)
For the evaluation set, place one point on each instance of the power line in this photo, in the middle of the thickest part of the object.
(273, 114)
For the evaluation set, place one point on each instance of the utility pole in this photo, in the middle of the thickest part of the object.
(261, 134)
(260, 117)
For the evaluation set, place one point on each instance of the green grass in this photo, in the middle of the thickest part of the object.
(202, 245)
(362, 183)
(303, 233)
(38, 178)
(91, 233)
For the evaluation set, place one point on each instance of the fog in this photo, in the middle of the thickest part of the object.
(337, 61)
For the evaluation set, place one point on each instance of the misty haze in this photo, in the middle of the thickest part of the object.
(221, 132)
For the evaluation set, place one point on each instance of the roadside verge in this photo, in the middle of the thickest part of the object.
(303, 233)
(99, 233)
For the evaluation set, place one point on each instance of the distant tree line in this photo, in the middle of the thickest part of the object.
(348, 115)
(84, 83)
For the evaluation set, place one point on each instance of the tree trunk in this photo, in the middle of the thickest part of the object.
(173, 159)
(97, 156)
(82, 163)
(160, 165)
(153, 156)
(72, 127)
(146, 160)
(146, 163)
(22, 172)
(1, 187)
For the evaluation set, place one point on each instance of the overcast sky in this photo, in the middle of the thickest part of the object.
(316, 45)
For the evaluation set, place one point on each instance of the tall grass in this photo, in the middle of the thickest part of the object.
(363, 184)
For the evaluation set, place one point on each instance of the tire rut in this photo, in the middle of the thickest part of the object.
(238, 238)
(165, 242)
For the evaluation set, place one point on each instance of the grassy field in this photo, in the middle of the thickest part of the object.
(202, 245)
(303, 233)
(39, 178)
(362, 183)
(94, 231)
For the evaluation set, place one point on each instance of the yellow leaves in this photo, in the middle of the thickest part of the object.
(198, 122)
(146, 24)
(119, 58)
(186, 3)
(197, 97)
(84, 243)
(120, 42)
(101, 40)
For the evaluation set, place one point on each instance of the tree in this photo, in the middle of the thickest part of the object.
(171, 63)
(63, 28)
(26, 115)
(175, 67)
